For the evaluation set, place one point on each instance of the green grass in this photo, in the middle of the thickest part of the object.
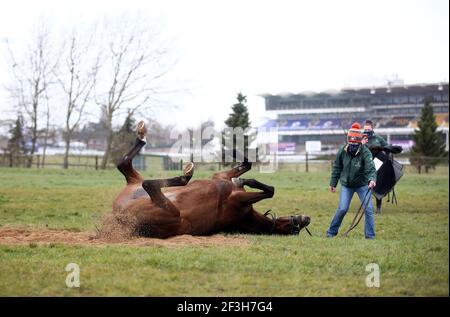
(411, 246)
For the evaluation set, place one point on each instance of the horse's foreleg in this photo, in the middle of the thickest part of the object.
(234, 172)
(252, 183)
(253, 197)
(237, 171)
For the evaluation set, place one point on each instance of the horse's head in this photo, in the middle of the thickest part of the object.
(300, 222)
(289, 224)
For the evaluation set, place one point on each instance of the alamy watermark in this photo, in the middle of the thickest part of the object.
(73, 278)
(373, 278)
(231, 145)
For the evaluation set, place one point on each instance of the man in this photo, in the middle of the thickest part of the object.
(373, 140)
(355, 169)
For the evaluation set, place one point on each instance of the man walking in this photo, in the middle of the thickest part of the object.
(354, 167)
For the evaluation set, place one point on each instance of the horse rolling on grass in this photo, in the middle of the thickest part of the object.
(200, 207)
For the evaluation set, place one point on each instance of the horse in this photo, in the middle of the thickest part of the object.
(200, 207)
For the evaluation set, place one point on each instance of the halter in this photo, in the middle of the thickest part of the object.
(295, 225)
(274, 219)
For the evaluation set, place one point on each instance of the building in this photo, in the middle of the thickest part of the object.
(326, 116)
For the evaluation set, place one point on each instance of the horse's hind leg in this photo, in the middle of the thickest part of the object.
(153, 188)
(125, 165)
(165, 220)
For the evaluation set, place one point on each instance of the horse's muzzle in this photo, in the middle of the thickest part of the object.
(299, 222)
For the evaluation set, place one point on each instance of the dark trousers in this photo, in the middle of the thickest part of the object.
(378, 211)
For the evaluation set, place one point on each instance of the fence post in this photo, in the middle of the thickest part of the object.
(306, 159)
(38, 161)
(96, 162)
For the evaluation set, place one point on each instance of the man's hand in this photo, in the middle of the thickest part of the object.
(364, 140)
(332, 189)
(372, 184)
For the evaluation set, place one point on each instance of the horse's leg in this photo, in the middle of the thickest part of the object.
(248, 198)
(125, 165)
(164, 220)
(254, 222)
(153, 188)
(237, 171)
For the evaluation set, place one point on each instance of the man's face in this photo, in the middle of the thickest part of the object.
(368, 128)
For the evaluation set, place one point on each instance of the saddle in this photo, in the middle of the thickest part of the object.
(389, 171)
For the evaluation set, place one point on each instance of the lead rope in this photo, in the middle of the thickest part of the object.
(306, 228)
(359, 214)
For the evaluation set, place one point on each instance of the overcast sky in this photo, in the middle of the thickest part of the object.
(269, 46)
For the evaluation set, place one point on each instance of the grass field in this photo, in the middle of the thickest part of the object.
(411, 248)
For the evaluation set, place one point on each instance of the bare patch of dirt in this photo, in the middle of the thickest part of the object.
(20, 236)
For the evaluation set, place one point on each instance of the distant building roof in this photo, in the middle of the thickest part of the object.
(374, 90)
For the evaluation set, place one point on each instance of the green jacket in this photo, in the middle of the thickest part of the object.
(376, 140)
(354, 171)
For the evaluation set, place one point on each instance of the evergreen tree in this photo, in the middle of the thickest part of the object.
(429, 147)
(16, 144)
(238, 118)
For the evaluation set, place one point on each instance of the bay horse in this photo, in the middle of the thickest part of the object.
(200, 207)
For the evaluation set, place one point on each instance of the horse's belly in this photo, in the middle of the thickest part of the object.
(127, 196)
(199, 211)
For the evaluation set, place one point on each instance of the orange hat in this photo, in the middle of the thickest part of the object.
(354, 135)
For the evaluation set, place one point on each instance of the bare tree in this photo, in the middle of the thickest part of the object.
(32, 73)
(137, 58)
(76, 75)
(46, 129)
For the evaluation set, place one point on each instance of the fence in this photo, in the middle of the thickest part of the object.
(38, 161)
(299, 163)
(140, 162)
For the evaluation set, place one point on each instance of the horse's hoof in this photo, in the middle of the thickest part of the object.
(188, 169)
(141, 130)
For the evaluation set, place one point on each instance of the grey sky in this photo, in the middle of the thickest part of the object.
(271, 46)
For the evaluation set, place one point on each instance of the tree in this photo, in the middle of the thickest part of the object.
(76, 75)
(136, 60)
(124, 139)
(238, 118)
(32, 74)
(16, 144)
(46, 129)
(429, 147)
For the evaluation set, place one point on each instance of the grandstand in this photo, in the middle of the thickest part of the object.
(326, 116)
